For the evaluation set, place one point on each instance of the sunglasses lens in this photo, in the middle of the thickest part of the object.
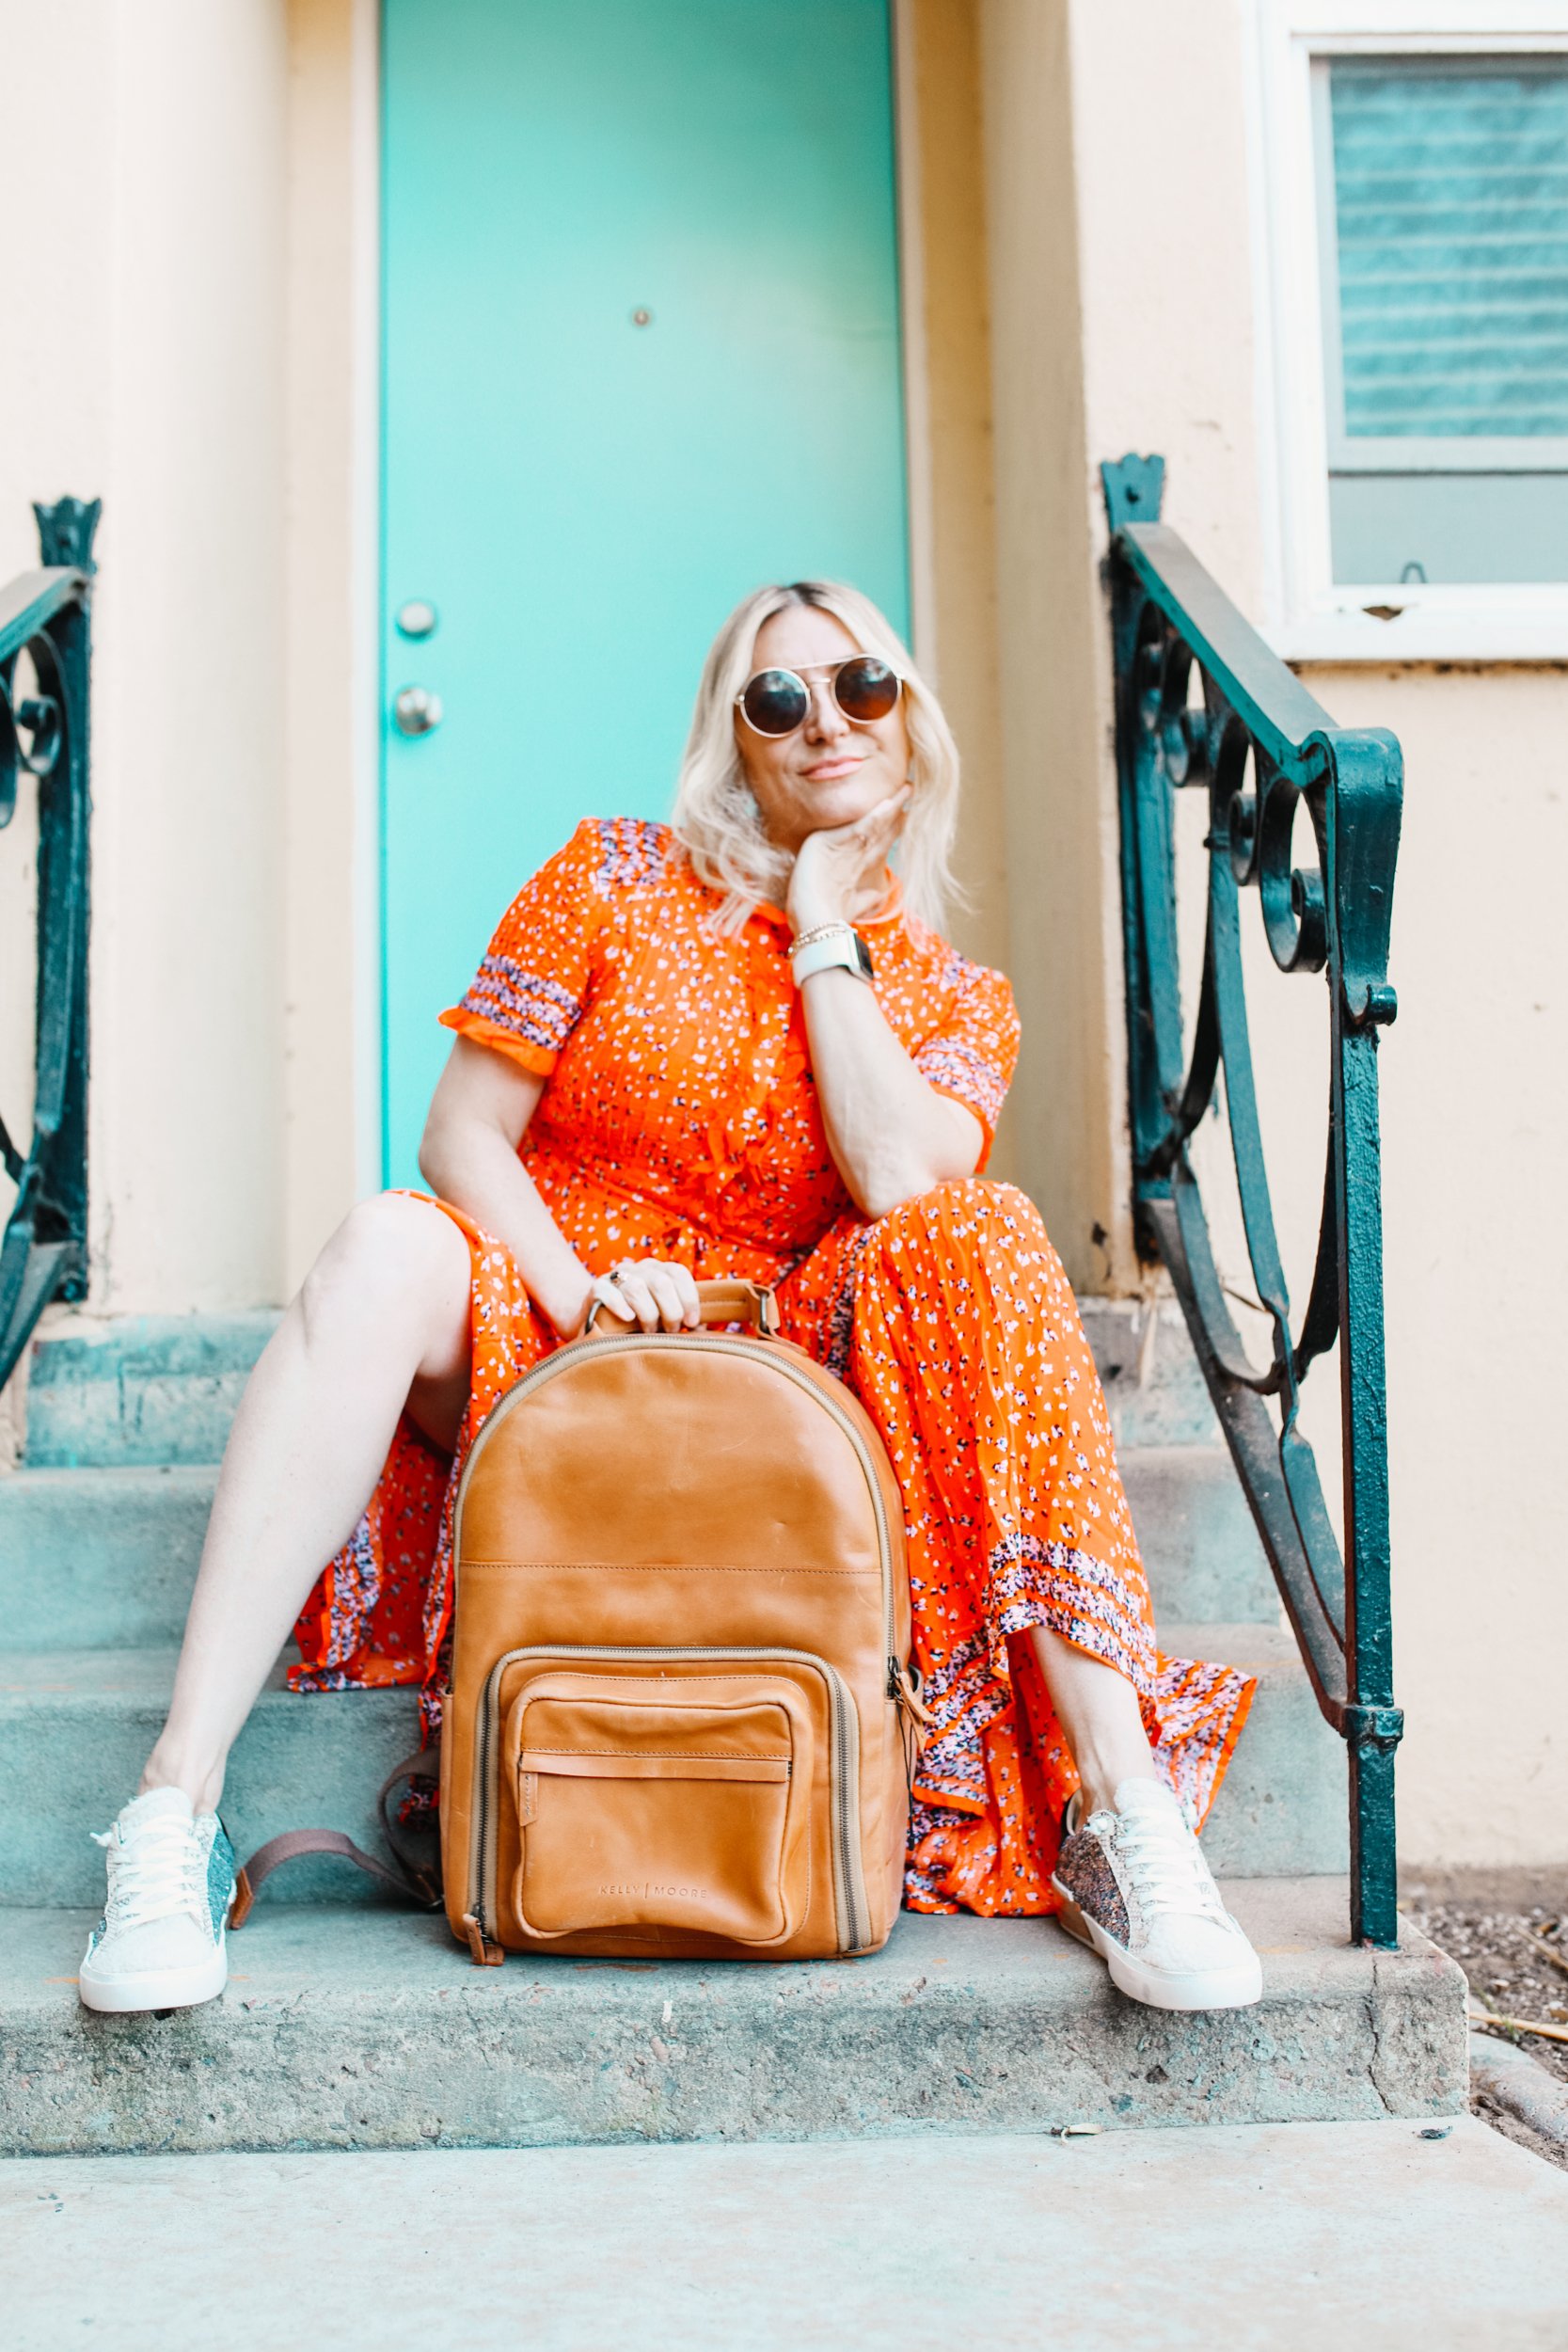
(866, 687)
(775, 702)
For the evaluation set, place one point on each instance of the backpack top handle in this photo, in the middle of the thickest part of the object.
(734, 1302)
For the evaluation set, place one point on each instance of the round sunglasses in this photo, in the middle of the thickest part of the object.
(776, 702)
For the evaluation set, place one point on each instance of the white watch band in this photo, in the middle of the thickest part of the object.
(839, 949)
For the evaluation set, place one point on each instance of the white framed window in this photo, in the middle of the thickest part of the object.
(1414, 279)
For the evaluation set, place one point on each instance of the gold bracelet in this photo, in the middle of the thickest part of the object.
(820, 930)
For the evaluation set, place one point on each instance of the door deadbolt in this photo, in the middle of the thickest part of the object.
(416, 710)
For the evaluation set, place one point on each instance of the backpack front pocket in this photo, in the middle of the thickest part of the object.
(665, 1801)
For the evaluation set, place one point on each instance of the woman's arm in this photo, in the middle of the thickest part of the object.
(891, 1134)
(469, 1155)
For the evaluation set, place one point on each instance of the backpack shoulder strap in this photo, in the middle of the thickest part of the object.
(406, 1872)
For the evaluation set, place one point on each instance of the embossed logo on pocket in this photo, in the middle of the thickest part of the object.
(648, 1888)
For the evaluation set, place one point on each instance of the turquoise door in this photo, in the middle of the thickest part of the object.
(642, 352)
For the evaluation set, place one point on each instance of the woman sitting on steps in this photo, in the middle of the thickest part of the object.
(733, 1045)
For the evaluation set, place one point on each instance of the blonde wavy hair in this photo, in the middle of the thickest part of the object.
(715, 815)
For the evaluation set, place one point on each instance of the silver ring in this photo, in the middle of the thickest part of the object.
(614, 1276)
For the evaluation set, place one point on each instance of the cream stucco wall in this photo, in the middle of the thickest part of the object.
(1475, 1134)
(331, 948)
(144, 145)
(953, 476)
(1051, 651)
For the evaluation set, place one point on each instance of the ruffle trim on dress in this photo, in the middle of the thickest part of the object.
(1034, 1582)
(350, 1590)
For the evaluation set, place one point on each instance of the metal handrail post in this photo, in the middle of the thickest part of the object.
(1260, 746)
(45, 615)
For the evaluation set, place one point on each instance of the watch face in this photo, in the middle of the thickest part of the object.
(863, 956)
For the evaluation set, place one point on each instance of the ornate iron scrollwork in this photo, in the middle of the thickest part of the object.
(1265, 751)
(43, 734)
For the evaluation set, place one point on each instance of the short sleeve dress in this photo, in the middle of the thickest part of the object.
(680, 1120)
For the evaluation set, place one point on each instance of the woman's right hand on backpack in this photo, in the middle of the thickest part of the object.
(652, 1292)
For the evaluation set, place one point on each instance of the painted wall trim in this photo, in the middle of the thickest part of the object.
(919, 492)
(365, 525)
(331, 499)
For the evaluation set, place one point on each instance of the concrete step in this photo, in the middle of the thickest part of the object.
(792, 2248)
(75, 1728)
(139, 1390)
(1199, 1545)
(147, 1390)
(105, 1559)
(369, 2028)
(101, 1559)
(1152, 1386)
(1284, 1809)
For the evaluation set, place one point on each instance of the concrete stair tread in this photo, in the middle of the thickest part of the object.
(139, 1674)
(1256, 1647)
(355, 2026)
(108, 1557)
(303, 1760)
(149, 1388)
(299, 1762)
(126, 1349)
(140, 1389)
(1281, 1808)
(115, 1483)
(1199, 1545)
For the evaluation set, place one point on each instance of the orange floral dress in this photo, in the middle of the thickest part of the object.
(680, 1120)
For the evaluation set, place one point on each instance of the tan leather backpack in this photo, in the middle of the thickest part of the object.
(682, 1720)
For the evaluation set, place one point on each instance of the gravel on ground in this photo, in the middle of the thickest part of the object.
(1517, 1963)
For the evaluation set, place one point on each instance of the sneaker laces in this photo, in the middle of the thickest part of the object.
(1167, 1866)
(156, 1875)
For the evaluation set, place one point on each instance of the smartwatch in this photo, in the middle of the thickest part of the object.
(835, 944)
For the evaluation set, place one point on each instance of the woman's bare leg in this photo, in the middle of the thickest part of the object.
(382, 1322)
(1098, 1711)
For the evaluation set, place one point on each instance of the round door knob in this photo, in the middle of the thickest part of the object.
(416, 710)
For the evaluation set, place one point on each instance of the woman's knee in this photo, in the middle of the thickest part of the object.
(970, 1202)
(390, 1251)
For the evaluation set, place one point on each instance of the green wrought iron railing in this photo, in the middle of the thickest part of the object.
(1258, 746)
(44, 654)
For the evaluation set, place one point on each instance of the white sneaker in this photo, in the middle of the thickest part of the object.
(161, 1940)
(1135, 1886)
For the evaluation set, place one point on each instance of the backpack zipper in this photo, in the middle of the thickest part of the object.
(851, 1910)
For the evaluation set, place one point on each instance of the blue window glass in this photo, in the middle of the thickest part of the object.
(1445, 234)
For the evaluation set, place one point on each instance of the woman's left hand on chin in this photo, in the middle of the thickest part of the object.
(843, 863)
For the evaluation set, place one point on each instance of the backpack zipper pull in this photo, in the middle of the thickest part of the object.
(485, 1953)
(904, 1685)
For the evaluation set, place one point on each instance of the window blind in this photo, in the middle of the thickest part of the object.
(1450, 214)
